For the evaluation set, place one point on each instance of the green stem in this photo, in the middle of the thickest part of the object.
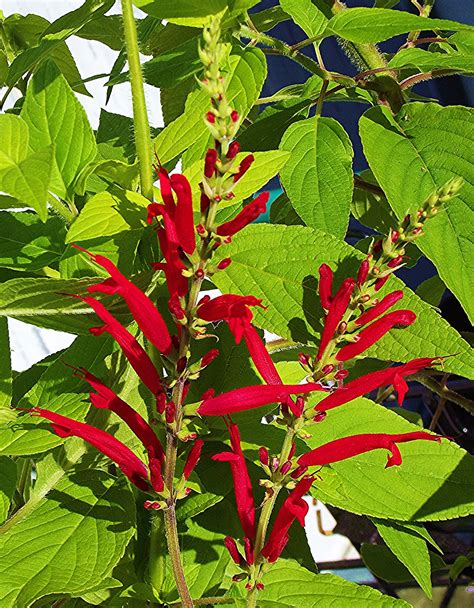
(175, 555)
(67, 215)
(140, 116)
(322, 95)
(252, 598)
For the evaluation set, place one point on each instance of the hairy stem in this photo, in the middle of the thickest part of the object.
(67, 215)
(140, 116)
(175, 555)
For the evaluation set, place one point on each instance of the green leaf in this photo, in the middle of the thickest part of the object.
(54, 35)
(24, 32)
(410, 549)
(280, 264)
(385, 565)
(426, 61)
(59, 390)
(287, 584)
(26, 243)
(87, 519)
(107, 29)
(107, 214)
(8, 475)
(431, 484)
(282, 212)
(25, 177)
(365, 25)
(431, 290)
(196, 504)
(5, 370)
(54, 116)
(307, 15)
(41, 301)
(246, 75)
(189, 12)
(430, 144)
(318, 176)
(371, 208)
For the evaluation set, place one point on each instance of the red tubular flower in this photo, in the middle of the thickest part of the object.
(193, 458)
(234, 149)
(294, 507)
(363, 272)
(244, 166)
(233, 309)
(242, 484)
(336, 311)
(248, 214)
(375, 331)
(369, 382)
(260, 356)
(141, 307)
(233, 550)
(209, 357)
(325, 286)
(184, 216)
(166, 190)
(105, 398)
(173, 267)
(129, 464)
(250, 397)
(210, 162)
(135, 354)
(346, 447)
(380, 308)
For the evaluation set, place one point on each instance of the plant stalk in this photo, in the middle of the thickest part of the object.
(140, 115)
(67, 215)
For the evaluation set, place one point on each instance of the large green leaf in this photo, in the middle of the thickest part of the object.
(22, 175)
(8, 475)
(426, 61)
(410, 549)
(26, 243)
(69, 542)
(24, 32)
(432, 483)
(307, 15)
(246, 74)
(190, 12)
(430, 144)
(54, 36)
(107, 214)
(280, 264)
(54, 116)
(318, 176)
(287, 585)
(58, 390)
(376, 24)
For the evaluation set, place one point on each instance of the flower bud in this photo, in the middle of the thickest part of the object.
(303, 359)
(285, 467)
(231, 547)
(211, 117)
(152, 504)
(209, 357)
(234, 116)
(275, 463)
(341, 374)
(300, 470)
(264, 456)
(395, 235)
(225, 263)
(363, 272)
(244, 166)
(327, 369)
(248, 551)
(170, 412)
(233, 150)
(319, 417)
(208, 394)
(210, 162)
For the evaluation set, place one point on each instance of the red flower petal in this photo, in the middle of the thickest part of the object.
(260, 356)
(135, 354)
(242, 484)
(184, 213)
(338, 307)
(232, 308)
(293, 508)
(250, 397)
(114, 449)
(346, 447)
(380, 308)
(193, 458)
(369, 382)
(248, 214)
(371, 334)
(142, 308)
(325, 286)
